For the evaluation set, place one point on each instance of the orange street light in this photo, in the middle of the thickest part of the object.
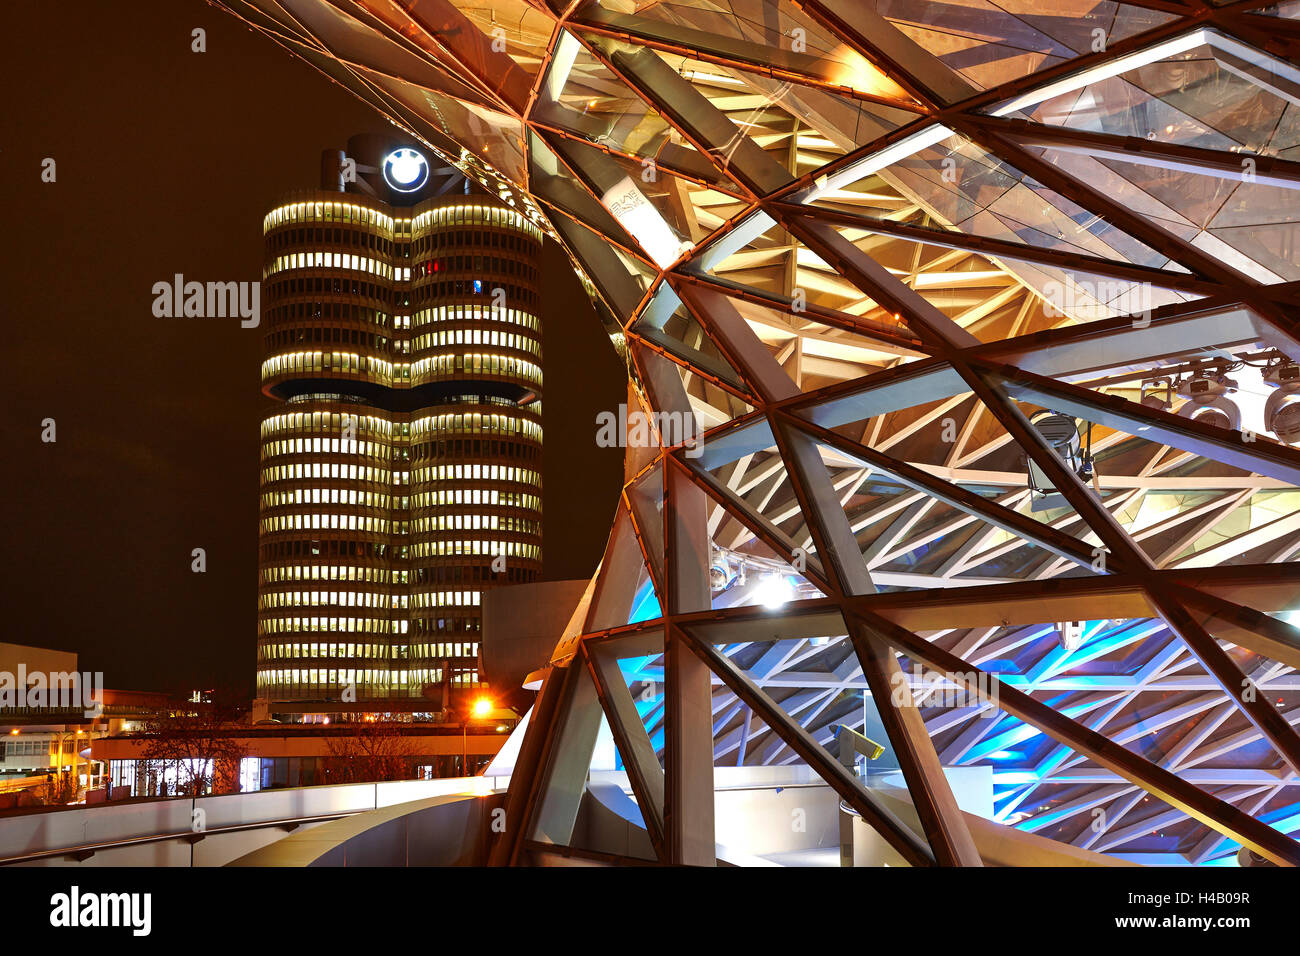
(481, 707)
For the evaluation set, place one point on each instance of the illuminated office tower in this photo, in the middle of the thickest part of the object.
(401, 473)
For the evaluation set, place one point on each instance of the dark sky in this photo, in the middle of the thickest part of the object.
(166, 162)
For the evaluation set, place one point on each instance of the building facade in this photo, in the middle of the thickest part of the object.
(51, 716)
(401, 466)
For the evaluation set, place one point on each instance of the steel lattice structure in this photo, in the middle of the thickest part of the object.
(864, 243)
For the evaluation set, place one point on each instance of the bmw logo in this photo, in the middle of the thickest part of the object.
(406, 170)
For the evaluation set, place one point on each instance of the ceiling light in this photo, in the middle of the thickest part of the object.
(1070, 634)
(1158, 393)
(1061, 432)
(1282, 410)
(1207, 402)
(774, 591)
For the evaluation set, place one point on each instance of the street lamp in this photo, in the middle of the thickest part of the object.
(482, 707)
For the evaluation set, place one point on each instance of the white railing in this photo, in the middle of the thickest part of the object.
(202, 831)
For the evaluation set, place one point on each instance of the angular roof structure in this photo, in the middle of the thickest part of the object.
(989, 315)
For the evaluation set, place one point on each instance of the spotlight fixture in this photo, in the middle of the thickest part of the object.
(772, 582)
(1154, 397)
(1248, 857)
(1282, 409)
(1070, 634)
(774, 590)
(1206, 392)
(1062, 433)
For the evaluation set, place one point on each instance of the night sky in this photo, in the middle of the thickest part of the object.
(166, 162)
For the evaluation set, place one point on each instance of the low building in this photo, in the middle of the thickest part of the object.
(50, 713)
(270, 756)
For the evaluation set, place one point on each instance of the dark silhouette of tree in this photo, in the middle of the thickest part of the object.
(370, 751)
(199, 741)
(60, 787)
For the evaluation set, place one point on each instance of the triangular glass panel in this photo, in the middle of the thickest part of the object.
(989, 44)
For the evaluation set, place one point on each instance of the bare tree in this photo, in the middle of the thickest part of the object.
(60, 787)
(373, 751)
(200, 742)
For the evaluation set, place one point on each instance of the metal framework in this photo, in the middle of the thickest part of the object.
(865, 244)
